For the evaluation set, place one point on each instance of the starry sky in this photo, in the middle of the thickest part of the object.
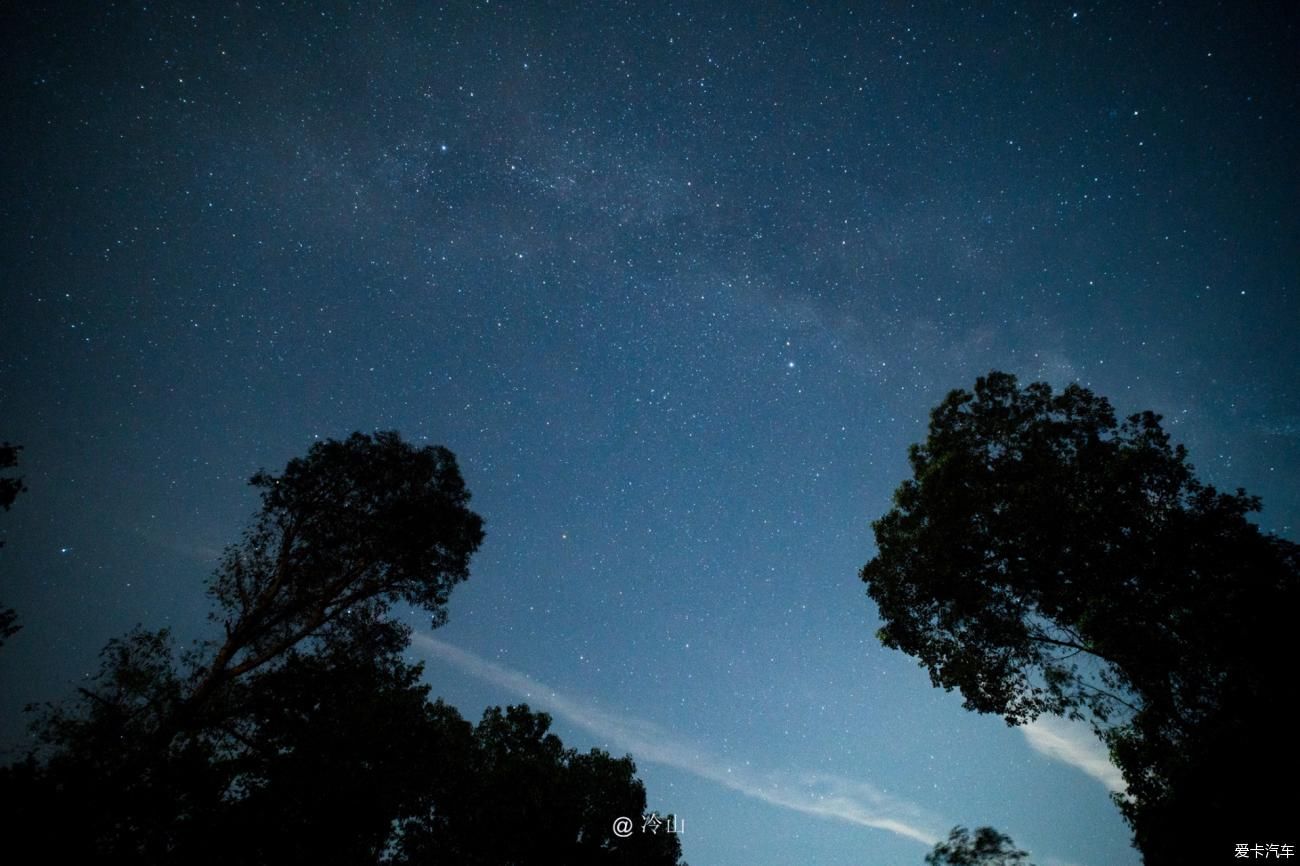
(678, 283)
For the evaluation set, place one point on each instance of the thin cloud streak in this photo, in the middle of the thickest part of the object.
(1074, 744)
(809, 793)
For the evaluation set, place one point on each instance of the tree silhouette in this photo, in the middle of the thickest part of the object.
(1047, 558)
(343, 533)
(9, 487)
(9, 490)
(98, 762)
(987, 847)
(302, 735)
(327, 751)
(518, 796)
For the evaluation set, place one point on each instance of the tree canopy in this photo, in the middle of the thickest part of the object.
(1046, 557)
(301, 734)
(353, 527)
(516, 795)
(986, 847)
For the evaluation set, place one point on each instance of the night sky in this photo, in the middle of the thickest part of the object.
(678, 284)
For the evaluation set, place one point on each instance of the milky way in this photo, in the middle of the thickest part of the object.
(678, 284)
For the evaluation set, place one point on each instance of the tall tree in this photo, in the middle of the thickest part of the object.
(1048, 558)
(301, 735)
(345, 532)
(356, 525)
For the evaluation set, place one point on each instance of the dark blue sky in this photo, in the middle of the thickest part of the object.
(678, 283)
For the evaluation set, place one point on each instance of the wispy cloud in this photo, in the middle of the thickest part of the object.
(1074, 743)
(817, 794)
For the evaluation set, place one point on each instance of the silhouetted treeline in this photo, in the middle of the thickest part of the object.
(299, 734)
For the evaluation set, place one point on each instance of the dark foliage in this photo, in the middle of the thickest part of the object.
(518, 796)
(355, 525)
(98, 780)
(1047, 558)
(9, 490)
(987, 847)
(9, 487)
(302, 736)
